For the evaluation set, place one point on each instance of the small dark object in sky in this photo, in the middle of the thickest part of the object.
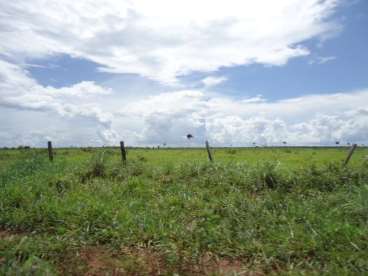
(284, 142)
(190, 136)
(337, 143)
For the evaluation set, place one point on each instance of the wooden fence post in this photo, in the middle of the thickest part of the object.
(209, 151)
(350, 154)
(49, 147)
(123, 152)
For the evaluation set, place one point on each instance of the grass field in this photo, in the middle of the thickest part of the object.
(253, 211)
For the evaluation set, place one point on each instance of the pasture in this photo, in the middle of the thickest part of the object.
(253, 211)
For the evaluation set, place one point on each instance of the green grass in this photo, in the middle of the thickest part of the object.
(281, 211)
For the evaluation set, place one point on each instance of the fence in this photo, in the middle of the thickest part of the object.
(207, 146)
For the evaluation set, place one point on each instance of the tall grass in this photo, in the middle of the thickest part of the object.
(273, 219)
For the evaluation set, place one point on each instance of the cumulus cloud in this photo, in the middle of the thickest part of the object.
(43, 113)
(213, 81)
(309, 120)
(80, 115)
(164, 39)
(20, 92)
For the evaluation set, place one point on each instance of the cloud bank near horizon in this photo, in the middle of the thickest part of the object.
(82, 115)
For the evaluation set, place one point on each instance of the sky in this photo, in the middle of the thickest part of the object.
(235, 72)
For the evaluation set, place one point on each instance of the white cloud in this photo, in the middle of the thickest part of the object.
(18, 91)
(322, 60)
(163, 39)
(309, 120)
(81, 115)
(213, 81)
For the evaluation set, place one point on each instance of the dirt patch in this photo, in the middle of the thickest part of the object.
(222, 267)
(99, 260)
(128, 261)
(9, 235)
(4, 234)
(143, 261)
(210, 264)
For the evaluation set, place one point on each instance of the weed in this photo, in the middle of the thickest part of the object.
(96, 168)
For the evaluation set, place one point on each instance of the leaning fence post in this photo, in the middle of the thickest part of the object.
(123, 151)
(209, 151)
(350, 154)
(49, 147)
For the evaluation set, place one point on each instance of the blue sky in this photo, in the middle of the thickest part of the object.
(346, 67)
(152, 72)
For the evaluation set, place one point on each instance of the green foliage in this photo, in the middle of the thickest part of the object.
(96, 167)
(28, 164)
(231, 151)
(288, 213)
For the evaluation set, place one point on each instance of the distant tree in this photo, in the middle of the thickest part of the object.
(23, 147)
